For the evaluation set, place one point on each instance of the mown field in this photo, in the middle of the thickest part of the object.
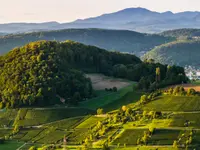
(88, 123)
(7, 117)
(112, 100)
(35, 117)
(163, 137)
(174, 103)
(12, 145)
(179, 119)
(67, 124)
(129, 137)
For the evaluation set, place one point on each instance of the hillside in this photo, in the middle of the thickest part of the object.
(119, 40)
(48, 72)
(183, 52)
(40, 73)
(163, 120)
(182, 33)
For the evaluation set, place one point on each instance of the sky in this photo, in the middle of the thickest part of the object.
(70, 10)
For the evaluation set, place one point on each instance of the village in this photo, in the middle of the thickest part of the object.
(192, 73)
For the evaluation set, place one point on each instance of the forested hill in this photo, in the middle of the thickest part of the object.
(182, 33)
(40, 73)
(119, 40)
(183, 52)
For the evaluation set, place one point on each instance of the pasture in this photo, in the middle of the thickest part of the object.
(179, 119)
(90, 122)
(106, 100)
(174, 103)
(129, 137)
(37, 116)
(163, 137)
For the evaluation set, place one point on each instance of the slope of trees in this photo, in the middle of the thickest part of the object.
(35, 75)
(44, 72)
(182, 33)
(119, 40)
(183, 52)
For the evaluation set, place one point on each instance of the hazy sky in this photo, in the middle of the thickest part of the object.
(69, 10)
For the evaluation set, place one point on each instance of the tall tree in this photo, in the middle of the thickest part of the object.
(158, 74)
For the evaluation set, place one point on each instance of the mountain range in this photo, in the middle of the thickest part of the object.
(137, 19)
(115, 40)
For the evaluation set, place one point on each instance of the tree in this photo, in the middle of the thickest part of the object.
(99, 111)
(157, 74)
(175, 144)
(143, 99)
(32, 148)
(191, 92)
(114, 89)
(2, 140)
(124, 108)
(105, 147)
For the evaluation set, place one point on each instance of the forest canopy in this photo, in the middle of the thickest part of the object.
(43, 72)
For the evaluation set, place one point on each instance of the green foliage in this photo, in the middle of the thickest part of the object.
(180, 91)
(163, 76)
(32, 148)
(44, 72)
(108, 39)
(99, 111)
(182, 33)
(181, 52)
(36, 75)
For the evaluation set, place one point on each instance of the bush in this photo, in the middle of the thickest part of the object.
(99, 111)
(32, 148)
(114, 89)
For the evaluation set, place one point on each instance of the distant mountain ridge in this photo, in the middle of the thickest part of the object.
(137, 19)
(118, 40)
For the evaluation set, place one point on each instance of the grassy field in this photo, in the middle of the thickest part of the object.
(129, 137)
(78, 136)
(130, 97)
(163, 137)
(12, 145)
(90, 122)
(179, 119)
(107, 99)
(4, 132)
(174, 103)
(67, 124)
(7, 117)
(146, 148)
(34, 117)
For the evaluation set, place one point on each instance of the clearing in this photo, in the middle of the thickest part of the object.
(100, 82)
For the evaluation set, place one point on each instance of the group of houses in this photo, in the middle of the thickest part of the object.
(192, 73)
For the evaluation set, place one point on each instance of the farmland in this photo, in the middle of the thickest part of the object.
(129, 127)
(34, 117)
(129, 136)
(174, 103)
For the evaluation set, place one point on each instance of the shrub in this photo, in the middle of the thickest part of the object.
(114, 89)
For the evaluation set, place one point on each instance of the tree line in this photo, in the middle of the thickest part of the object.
(49, 72)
